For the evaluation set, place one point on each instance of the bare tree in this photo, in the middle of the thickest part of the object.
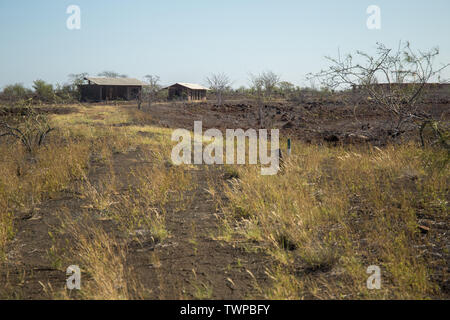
(257, 85)
(77, 79)
(286, 87)
(219, 83)
(152, 89)
(111, 74)
(263, 85)
(270, 80)
(393, 80)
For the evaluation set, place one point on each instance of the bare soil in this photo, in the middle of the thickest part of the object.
(314, 121)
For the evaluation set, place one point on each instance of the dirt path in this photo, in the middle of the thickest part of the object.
(191, 264)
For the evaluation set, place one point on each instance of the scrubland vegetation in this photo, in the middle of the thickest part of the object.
(94, 186)
(330, 213)
(334, 211)
(64, 165)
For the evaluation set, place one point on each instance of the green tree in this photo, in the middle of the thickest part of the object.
(65, 93)
(15, 93)
(43, 91)
(76, 80)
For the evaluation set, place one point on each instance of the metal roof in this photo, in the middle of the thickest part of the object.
(116, 81)
(191, 86)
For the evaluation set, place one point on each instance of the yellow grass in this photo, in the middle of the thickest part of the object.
(333, 212)
(102, 259)
(94, 134)
(329, 215)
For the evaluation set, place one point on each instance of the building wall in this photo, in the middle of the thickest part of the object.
(177, 92)
(91, 92)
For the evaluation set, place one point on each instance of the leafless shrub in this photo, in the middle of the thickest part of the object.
(270, 80)
(257, 85)
(263, 85)
(434, 133)
(219, 83)
(392, 80)
(31, 130)
(152, 89)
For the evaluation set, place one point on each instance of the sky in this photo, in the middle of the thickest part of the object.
(185, 41)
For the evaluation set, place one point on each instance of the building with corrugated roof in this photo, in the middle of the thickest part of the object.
(102, 89)
(187, 91)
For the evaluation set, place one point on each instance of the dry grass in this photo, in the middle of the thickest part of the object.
(331, 213)
(94, 135)
(26, 180)
(138, 211)
(336, 211)
(102, 258)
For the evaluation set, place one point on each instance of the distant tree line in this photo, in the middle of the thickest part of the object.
(262, 90)
(41, 92)
(262, 87)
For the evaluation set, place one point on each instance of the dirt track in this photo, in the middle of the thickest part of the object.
(189, 264)
(193, 259)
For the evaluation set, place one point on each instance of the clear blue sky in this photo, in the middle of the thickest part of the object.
(184, 41)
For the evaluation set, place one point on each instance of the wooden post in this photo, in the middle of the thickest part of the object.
(139, 98)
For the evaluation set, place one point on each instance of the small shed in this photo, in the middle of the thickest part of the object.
(187, 91)
(101, 89)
